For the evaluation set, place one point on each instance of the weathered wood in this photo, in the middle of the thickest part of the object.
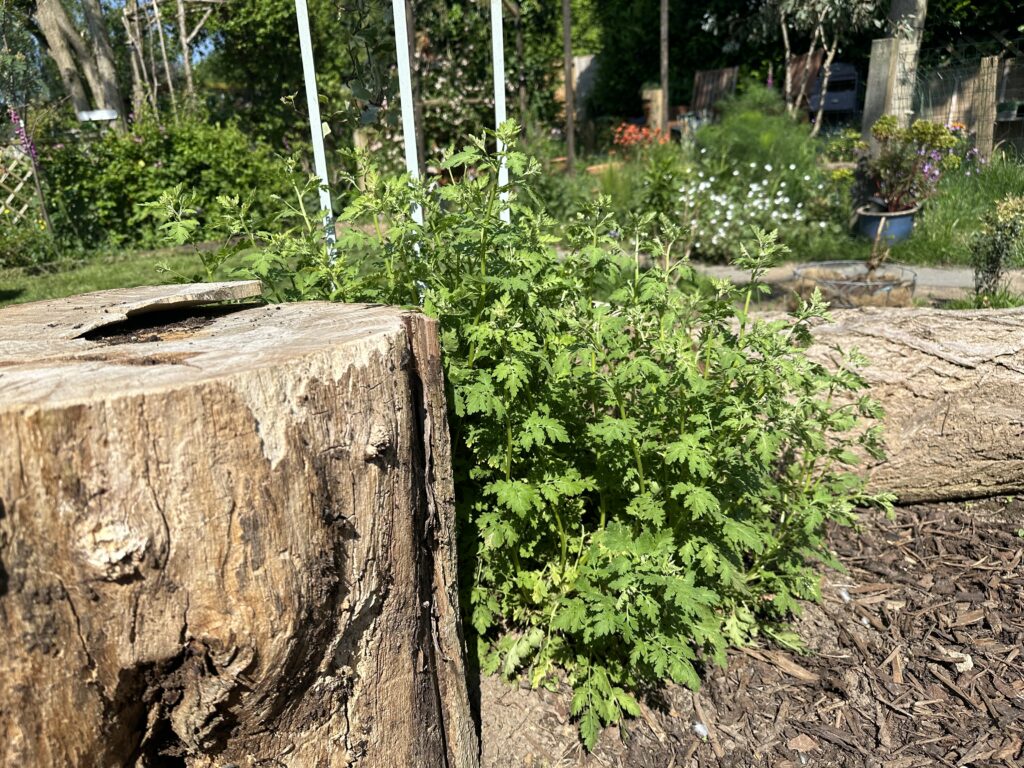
(226, 536)
(952, 385)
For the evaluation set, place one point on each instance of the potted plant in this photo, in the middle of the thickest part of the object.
(902, 173)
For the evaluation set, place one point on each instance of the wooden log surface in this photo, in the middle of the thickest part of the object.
(952, 385)
(226, 536)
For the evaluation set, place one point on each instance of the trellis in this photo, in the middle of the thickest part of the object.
(17, 187)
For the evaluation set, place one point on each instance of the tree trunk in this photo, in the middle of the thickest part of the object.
(110, 96)
(826, 72)
(806, 76)
(48, 13)
(159, 24)
(787, 88)
(663, 127)
(524, 105)
(186, 51)
(139, 80)
(570, 101)
(226, 536)
(951, 383)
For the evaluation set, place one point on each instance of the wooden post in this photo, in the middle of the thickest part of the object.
(226, 535)
(570, 101)
(882, 72)
(907, 17)
(983, 104)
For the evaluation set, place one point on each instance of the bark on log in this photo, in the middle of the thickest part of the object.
(952, 385)
(226, 536)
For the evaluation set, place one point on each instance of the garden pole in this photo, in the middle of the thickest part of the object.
(412, 164)
(498, 56)
(316, 130)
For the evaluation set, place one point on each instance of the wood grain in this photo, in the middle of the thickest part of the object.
(226, 540)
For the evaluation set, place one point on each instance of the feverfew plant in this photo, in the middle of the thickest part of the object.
(643, 471)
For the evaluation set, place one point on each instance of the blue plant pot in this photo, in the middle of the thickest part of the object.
(896, 227)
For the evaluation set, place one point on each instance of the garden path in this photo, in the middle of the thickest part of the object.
(934, 283)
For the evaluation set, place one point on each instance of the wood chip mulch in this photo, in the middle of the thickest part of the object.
(915, 660)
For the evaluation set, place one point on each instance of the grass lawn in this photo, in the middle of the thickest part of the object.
(120, 270)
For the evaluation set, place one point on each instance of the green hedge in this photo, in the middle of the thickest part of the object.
(97, 189)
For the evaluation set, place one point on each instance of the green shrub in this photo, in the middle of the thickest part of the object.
(97, 189)
(999, 245)
(845, 146)
(643, 471)
(26, 244)
(755, 134)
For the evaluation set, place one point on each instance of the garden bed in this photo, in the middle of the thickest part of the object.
(881, 686)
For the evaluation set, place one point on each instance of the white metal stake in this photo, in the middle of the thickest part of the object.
(316, 130)
(498, 56)
(412, 164)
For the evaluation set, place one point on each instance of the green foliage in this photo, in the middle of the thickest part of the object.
(845, 146)
(96, 189)
(27, 243)
(756, 131)
(629, 34)
(643, 471)
(1002, 298)
(946, 228)
(19, 65)
(998, 246)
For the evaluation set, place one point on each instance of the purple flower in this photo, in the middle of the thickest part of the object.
(27, 145)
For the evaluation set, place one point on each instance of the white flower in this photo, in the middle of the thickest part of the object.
(792, 167)
(806, 177)
(822, 224)
(735, 173)
(768, 167)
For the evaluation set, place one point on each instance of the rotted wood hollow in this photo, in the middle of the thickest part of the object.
(226, 536)
(952, 385)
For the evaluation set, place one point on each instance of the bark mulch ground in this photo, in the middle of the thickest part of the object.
(915, 660)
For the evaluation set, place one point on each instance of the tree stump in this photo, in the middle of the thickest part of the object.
(226, 535)
(952, 384)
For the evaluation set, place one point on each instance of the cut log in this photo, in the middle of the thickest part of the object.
(952, 385)
(226, 536)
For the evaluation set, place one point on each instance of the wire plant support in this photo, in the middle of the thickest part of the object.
(408, 108)
(315, 124)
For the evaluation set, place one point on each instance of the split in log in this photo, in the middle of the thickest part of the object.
(951, 384)
(226, 536)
